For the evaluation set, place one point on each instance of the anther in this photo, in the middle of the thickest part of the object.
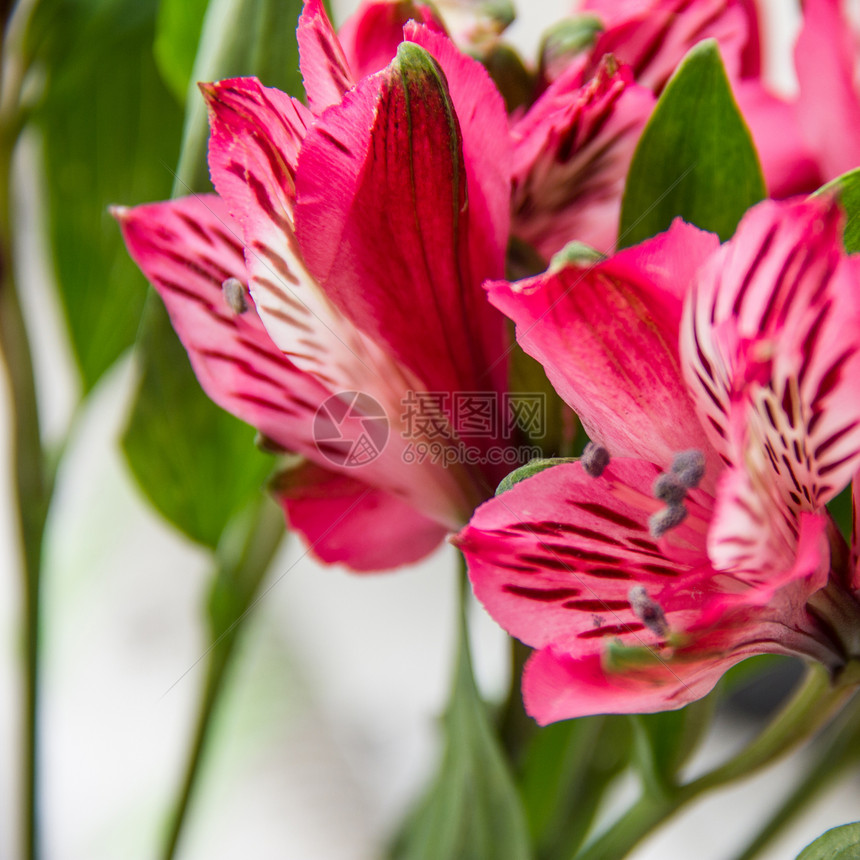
(666, 519)
(234, 294)
(668, 488)
(647, 610)
(689, 466)
(595, 458)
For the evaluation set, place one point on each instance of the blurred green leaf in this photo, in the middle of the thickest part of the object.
(566, 772)
(695, 159)
(847, 187)
(110, 134)
(842, 510)
(665, 741)
(473, 811)
(840, 843)
(197, 464)
(177, 33)
(239, 37)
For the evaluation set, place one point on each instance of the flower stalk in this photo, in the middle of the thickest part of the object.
(33, 476)
(257, 538)
(810, 709)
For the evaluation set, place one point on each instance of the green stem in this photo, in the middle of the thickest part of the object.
(259, 536)
(839, 749)
(810, 708)
(32, 477)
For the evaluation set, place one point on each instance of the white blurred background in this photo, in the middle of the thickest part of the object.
(330, 723)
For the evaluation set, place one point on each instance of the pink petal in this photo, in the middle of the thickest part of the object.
(653, 37)
(607, 336)
(256, 132)
(770, 351)
(346, 521)
(855, 535)
(386, 220)
(186, 249)
(252, 171)
(788, 163)
(572, 153)
(829, 106)
(325, 68)
(487, 152)
(371, 35)
(554, 558)
(756, 537)
(557, 686)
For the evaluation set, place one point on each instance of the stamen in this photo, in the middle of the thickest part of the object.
(647, 610)
(668, 488)
(234, 294)
(595, 458)
(689, 466)
(666, 519)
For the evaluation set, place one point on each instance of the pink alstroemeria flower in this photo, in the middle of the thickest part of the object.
(573, 148)
(705, 539)
(363, 228)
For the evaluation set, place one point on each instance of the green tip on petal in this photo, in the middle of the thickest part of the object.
(569, 37)
(622, 658)
(530, 468)
(575, 254)
(412, 57)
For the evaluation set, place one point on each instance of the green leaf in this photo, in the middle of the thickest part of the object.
(197, 464)
(567, 770)
(847, 187)
(177, 34)
(530, 468)
(665, 741)
(239, 37)
(110, 134)
(473, 811)
(695, 159)
(840, 843)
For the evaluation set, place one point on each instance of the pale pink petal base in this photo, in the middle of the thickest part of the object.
(187, 248)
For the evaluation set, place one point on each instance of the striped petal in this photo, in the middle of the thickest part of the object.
(770, 343)
(607, 336)
(653, 37)
(256, 131)
(387, 219)
(187, 249)
(572, 151)
(624, 623)
(325, 69)
(554, 558)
